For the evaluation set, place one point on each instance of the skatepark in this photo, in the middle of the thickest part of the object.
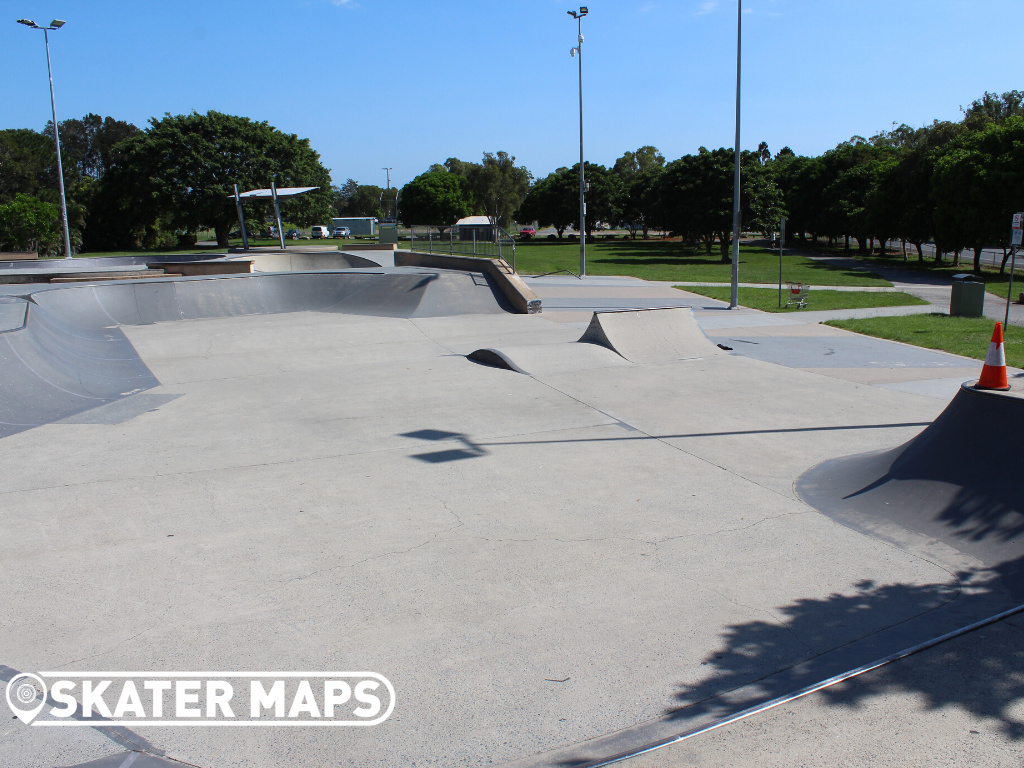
(565, 536)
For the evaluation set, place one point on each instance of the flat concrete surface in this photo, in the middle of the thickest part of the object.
(544, 565)
(959, 704)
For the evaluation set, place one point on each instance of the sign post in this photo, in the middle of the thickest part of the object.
(782, 243)
(1015, 240)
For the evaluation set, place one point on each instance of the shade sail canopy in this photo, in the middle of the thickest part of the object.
(282, 193)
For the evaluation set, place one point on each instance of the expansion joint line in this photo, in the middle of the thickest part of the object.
(663, 441)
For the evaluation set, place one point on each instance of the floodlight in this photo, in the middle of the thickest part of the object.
(572, 52)
(571, 13)
(57, 23)
(27, 22)
(584, 11)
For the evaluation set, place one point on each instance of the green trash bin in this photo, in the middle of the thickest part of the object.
(968, 297)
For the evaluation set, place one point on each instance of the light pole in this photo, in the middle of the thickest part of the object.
(55, 24)
(578, 52)
(734, 294)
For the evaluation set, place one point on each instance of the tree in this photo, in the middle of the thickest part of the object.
(978, 185)
(993, 108)
(499, 186)
(695, 198)
(29, 224)
(87, 145)
(638, 172)
(185, 166)
(646, 158)
(28, 164)
(639, 203)
(436, 197)
(801, 181)
(553, 201)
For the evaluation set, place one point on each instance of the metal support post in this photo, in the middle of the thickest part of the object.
(474, 241)
(782, 244)
(1009, 290)
(277, 213)
(241, 220)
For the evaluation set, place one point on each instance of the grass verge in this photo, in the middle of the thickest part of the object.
(671, 260)
(967, 336)
(767, 299)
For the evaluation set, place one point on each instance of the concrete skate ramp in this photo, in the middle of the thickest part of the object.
(547, 359)
(961, 481)
(651, 335)
(62, 352)
(395, 293)
(51, 369)
(302, 262)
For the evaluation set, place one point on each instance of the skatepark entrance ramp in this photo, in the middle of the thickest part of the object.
(958, 482)
(612, 339)
(62, 351)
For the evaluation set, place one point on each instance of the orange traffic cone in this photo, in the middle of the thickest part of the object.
(993, 374)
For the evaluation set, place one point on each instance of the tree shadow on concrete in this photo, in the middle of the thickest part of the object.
(981, 672)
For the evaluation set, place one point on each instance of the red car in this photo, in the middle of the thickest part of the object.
(527, 232)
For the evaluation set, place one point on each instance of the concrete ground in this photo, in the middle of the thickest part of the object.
(545, 567)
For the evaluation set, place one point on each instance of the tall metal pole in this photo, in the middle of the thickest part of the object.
(56, 142)
(734, 296)
(583, 202)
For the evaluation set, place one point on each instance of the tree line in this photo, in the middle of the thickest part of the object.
(955, 183)
(158, 187)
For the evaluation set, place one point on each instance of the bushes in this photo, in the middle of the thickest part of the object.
(29, 224)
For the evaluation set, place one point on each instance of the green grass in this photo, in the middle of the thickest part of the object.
(767, 299)
(674, 261)
(967, 336)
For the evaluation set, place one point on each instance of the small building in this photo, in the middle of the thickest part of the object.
(360, 226)
(477, 228)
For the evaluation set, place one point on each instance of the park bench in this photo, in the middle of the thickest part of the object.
(797, 294)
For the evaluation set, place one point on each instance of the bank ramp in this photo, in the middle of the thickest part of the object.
(958, 482)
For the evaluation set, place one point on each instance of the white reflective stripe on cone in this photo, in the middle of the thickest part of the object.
(995, 355)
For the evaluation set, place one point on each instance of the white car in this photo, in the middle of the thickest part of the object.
(318, 233)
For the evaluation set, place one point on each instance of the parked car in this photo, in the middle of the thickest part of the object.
(341, 232)
(527, 232)
(318, 233)
(291, 234)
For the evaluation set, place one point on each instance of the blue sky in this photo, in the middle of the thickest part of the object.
(405, 83)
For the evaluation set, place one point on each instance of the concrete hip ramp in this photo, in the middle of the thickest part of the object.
(612, 339)
(650, 335)
(958, 482)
